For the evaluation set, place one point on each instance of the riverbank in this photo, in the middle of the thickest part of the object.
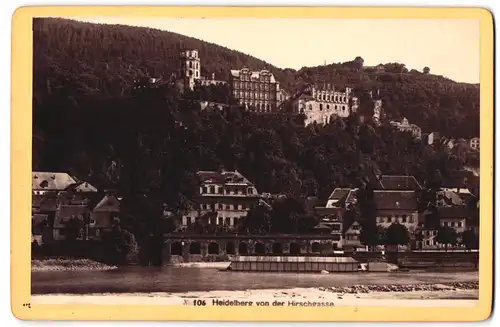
(68, 265)
(213, 265)
(448, 294)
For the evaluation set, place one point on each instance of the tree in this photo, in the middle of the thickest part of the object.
(470, 239)
(397, 234)
(258, 220)
(426, 70)
(369, 235)
(446, 235)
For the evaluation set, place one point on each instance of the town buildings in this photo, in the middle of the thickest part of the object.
(322, 102)
(257, 90)
(60, 200)
(225, 198)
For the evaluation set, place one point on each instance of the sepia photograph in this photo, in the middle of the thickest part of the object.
(244, 162)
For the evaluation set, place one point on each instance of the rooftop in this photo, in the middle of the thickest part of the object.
(399, 182)
(222, 177)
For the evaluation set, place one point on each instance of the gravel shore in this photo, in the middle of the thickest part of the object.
(68, 265)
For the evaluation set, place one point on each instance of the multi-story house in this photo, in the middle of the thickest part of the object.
(322, 102)
(396, 206)
(257, 90)
(225, 196)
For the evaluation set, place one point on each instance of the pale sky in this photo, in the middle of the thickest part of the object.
(450, 47)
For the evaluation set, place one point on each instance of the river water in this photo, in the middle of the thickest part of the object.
(180, 279)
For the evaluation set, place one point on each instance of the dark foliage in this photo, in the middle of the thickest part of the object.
(397, 234)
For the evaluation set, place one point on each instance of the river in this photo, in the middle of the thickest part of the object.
(181, 279)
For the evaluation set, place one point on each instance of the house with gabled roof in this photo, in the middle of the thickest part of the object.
(50, 181)
(396, 206)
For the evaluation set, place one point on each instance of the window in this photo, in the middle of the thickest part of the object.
(228, 207)
(228, 221)
(404, 219)
(188, 221)
(336, 227)
(327, 106)
(221, 221)
(220, 189)
(212, 189)
(92, 221)
(459, 224)
(320, 106)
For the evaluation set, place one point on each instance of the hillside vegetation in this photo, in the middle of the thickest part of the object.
(76, 63)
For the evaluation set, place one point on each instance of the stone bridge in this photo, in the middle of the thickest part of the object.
(195, 248)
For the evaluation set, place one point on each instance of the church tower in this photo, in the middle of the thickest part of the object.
(189, 68)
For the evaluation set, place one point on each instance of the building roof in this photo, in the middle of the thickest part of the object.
(399, 182)
(339, 193)
(109, 203)
(255, 75)
(395, 200)
(222, 177)
(82, 187)
(51, 181)
(452, 212)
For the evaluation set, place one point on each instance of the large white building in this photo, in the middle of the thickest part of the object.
(225, 196)
(322, 102)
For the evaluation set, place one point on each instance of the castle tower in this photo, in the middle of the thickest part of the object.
(189, 68)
